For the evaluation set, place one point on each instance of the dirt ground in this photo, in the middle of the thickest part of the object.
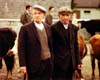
(86, 69)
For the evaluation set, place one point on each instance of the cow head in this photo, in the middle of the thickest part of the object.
(88, 25)
(82, 24)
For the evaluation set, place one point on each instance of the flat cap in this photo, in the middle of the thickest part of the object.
(41, 8)
(64, 10)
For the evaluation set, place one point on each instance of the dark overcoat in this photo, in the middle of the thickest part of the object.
(60, 45)
(29, 47)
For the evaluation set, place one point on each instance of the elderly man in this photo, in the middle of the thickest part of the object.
(35, 47)
(65, 46)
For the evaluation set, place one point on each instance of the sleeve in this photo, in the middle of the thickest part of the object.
(77, 48)
(23, 18)
(48, 19)
(22, 46)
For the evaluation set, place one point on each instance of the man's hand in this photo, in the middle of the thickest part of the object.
(23, 69)
(79, 66)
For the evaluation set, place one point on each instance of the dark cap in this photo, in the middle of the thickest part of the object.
(41, 8)
(64, 10)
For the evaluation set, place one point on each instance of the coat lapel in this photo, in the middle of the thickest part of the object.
(34, 31)
(47, 30)
(71, 33)
(61, 31)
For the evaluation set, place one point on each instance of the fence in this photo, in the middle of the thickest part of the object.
(15, 25)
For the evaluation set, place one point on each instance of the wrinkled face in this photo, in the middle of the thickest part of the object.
(65, 18)
(38, 15)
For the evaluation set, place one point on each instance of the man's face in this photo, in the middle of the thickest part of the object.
(52, 10)
(65, 18)
(38, 15)
(30, 9)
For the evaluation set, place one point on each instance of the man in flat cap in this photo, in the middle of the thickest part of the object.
(65, 46)
(35, 47)
(26, 17)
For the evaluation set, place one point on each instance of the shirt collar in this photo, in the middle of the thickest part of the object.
(39, 26)
(66, 26)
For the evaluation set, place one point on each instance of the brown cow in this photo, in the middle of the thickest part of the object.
(95, 53)
(82, 46)
(83, 52)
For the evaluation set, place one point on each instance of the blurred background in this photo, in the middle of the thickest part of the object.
(11, 10)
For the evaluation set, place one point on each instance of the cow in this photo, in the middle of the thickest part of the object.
(82, 46)
(92, 26)
(7, 38)
(95, 52)
(82, 51)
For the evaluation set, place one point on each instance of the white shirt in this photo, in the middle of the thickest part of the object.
(39, 26)
(66, 26)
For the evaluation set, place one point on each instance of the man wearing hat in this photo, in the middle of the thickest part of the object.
(65, 46)
(35, 47)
